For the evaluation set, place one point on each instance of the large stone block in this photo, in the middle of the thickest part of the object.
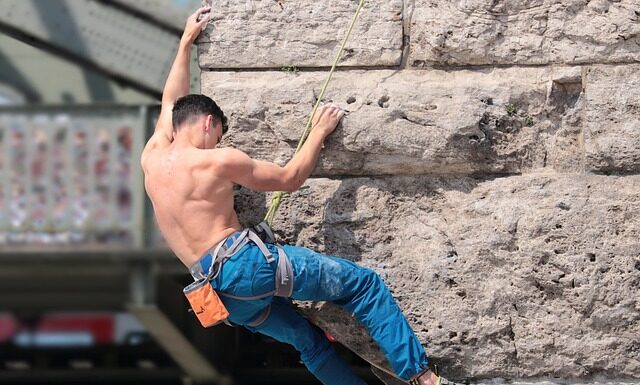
(410, 122)
(534, 275)
(612, 119)
(483, 32)
(274, 34)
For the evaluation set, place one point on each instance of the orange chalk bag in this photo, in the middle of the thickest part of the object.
(205, 303)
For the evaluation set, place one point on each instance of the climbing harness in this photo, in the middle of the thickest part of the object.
(277, 197)
(206, 303)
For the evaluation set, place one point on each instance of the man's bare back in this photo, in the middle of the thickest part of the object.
(193, 206)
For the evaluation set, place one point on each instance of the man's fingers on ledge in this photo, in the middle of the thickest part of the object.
(201, 11)
(204, 19)
(334, 108)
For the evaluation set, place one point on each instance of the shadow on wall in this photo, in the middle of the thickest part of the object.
(251, 206)
(350, 210)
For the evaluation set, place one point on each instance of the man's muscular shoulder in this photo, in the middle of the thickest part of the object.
(229, 161)
(155, 143)
(217, 160)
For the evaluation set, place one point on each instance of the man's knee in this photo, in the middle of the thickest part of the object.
(371, 279)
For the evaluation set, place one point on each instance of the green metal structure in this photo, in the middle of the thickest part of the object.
(120, 39)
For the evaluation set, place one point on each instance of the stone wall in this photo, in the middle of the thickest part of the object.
(488, 168)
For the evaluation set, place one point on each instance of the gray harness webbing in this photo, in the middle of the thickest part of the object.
(221, 253)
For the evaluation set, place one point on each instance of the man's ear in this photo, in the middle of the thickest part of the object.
(208, 123)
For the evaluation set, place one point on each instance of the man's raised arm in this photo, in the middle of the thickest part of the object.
(178, 81)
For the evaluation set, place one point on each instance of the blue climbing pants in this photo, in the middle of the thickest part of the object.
(318, 278)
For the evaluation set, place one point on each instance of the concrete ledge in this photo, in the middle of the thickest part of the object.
(498, 121)
(407, 122)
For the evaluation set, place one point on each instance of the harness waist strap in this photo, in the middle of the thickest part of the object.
(221, 252)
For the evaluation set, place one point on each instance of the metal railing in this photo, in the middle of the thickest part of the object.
(71, 178)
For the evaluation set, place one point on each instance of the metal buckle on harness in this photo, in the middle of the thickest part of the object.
(263, 230)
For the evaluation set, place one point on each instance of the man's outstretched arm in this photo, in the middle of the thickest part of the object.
(178, 81)
(267, 176)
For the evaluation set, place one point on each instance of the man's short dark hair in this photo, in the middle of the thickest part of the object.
(190, 107)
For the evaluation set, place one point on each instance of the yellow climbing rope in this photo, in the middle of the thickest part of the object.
(277, 197)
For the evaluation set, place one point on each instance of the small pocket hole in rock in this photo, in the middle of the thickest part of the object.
(383, 101)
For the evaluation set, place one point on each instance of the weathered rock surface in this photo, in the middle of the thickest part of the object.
(478, 193)
(482, 32)
(522, 276)
(408, 122)
(612, 119)
(501, 121)
(560, 382)
(273, 34)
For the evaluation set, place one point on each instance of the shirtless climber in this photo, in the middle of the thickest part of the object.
(190, 182)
